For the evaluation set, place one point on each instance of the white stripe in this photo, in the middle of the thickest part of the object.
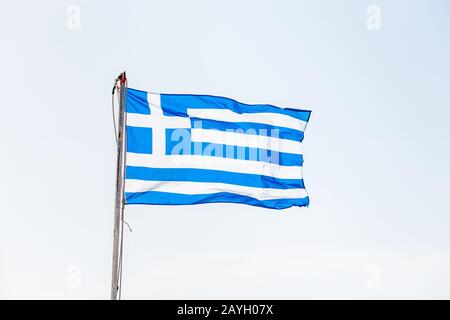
(246, 140)
(154, 102)
(152, 121)
(214, 163)
(192, 188)
(270, 118)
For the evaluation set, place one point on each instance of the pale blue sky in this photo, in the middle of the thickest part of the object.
(376, 148)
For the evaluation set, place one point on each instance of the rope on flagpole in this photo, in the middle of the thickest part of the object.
(115, 87)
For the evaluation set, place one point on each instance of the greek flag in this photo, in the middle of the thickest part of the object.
(188, 149)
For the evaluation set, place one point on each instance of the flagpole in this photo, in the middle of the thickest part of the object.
(119, 199)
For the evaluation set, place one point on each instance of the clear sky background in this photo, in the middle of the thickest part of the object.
(377, 148)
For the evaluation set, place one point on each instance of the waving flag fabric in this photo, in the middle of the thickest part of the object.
(189, 149)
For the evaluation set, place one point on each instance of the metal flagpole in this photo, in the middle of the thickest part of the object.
(119, 198)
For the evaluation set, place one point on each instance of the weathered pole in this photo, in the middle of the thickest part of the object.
(119, 198)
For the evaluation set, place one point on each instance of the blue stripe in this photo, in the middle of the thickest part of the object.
(205, 175)
(167, 198)
(178, 142)
(139, 140)
(177, 105)
(136, 102)
(249, 128)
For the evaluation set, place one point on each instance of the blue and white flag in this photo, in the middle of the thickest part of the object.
(188, 149)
